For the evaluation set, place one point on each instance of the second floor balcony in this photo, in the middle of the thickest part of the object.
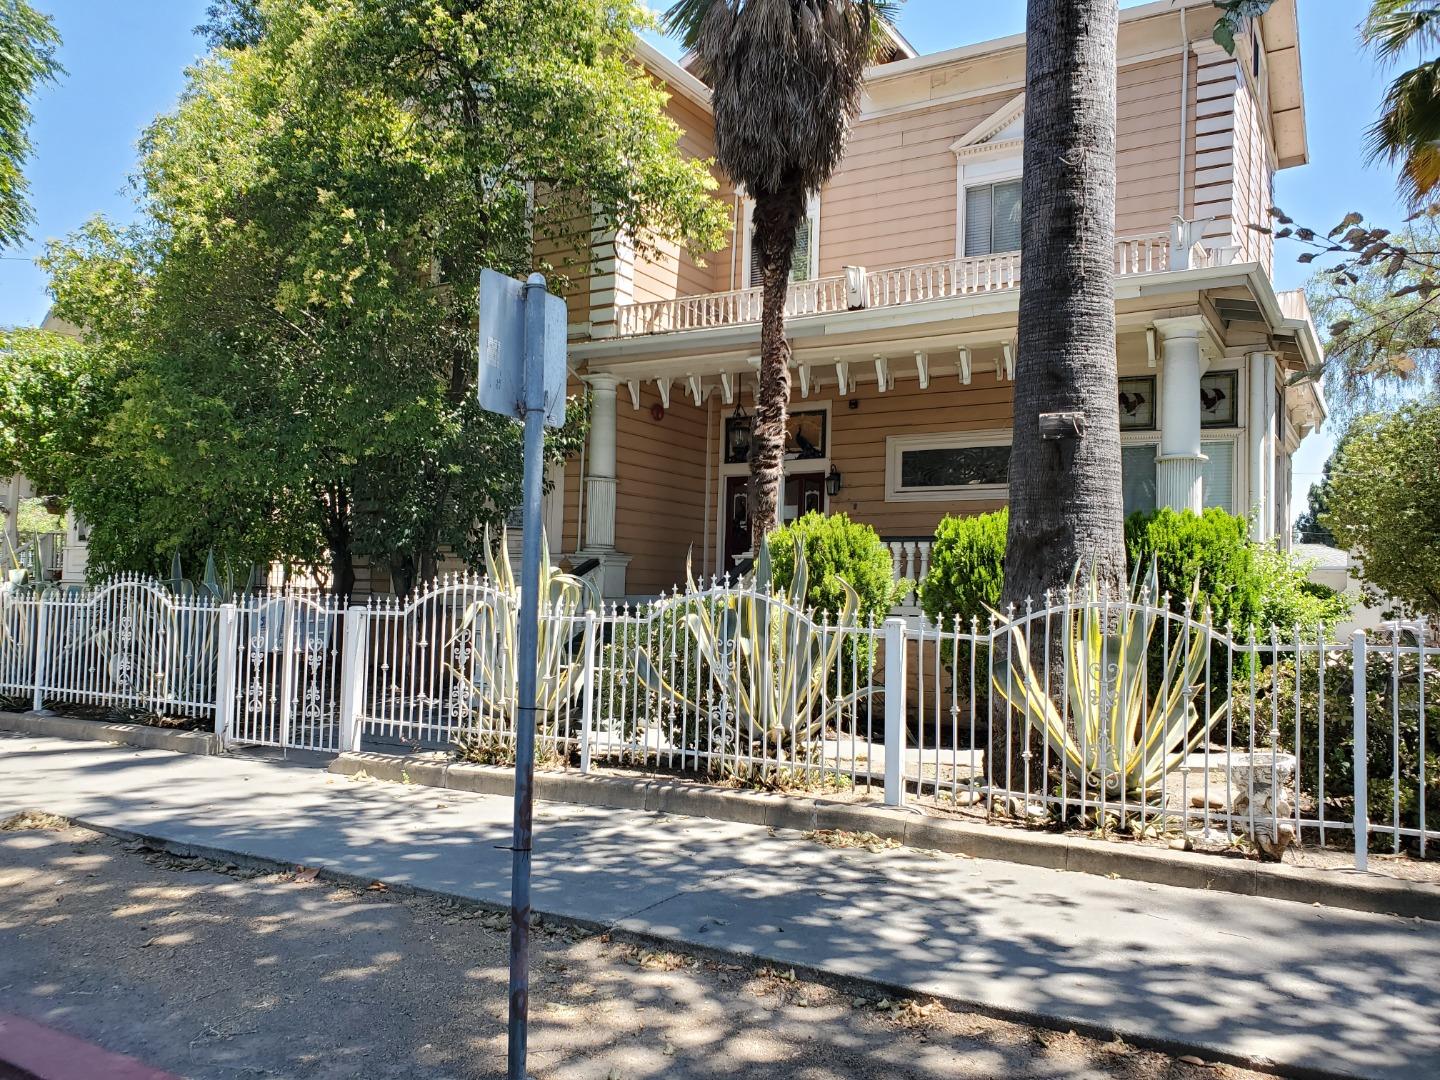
(858, 288)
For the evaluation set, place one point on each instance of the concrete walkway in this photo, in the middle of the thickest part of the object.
(1317, 990)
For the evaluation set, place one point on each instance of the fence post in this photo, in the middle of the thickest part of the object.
(587, 707)
(352, 677)
(227, 642)
(42, 651)
(1362, 755)
(895, 691)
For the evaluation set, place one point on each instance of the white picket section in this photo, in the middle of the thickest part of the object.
(128, 644)
(18, 614)
(289, 679)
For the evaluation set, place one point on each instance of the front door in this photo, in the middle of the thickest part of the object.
(804, 492)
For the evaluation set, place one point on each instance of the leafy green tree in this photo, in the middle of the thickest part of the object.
(786, 76)
(300, 299)
(1385, 502)
(53, 394)
(1308, 527)
(27, 61)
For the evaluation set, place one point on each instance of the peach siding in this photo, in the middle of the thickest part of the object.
(893, 201)
(857, 445)
(661, 493)
(670, 271)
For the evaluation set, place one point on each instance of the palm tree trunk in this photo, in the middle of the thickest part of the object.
(776, 220)
(1065, 494)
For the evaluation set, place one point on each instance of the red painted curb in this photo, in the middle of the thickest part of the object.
(46, 1054)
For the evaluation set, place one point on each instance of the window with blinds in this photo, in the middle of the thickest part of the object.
(800, 268)
(1137, 476)
(992, 218)
(1217, 475)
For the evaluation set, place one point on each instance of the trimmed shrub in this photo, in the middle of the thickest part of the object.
(1243, 583)
(967, 568)
(836, 547)
(1212, 548)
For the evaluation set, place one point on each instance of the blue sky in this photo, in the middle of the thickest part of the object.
(125, 63)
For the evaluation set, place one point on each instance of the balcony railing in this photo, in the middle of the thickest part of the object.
(858, 288)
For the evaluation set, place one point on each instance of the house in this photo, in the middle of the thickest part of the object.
(902, 312)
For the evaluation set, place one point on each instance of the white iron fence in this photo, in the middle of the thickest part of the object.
(1124, 714)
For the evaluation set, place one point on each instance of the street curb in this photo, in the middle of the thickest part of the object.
(1187, 870)
(1137, 1037)
(139, 735)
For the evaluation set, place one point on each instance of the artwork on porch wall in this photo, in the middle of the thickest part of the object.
(1217, 399)
(1137, 403)
(804, 436)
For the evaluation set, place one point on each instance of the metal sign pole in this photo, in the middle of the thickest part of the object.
(525, 713)
(522, 376)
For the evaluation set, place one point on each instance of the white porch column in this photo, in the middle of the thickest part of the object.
(1178, 467)
(600, 483)
(600, 464)
(1260, 443)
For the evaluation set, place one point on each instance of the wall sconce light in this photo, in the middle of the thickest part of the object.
(832, 482)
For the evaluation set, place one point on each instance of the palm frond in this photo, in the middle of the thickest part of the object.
(1408, 130)
(1396, 25)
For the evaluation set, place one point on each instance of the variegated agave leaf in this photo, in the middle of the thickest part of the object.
(769, 663)
(491, 627)
(1126, 730)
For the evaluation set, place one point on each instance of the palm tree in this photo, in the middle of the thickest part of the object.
(1407, 133)
(1066, 507)
(1065, 496)
(785, 77)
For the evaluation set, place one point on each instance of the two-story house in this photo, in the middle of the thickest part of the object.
(902, 312)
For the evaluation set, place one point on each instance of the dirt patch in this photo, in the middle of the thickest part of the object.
(33, 821)
(211, 971)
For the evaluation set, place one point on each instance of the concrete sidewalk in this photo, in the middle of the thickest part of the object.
(1316, 990)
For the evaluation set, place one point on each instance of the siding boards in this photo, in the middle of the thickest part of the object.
(660, 493)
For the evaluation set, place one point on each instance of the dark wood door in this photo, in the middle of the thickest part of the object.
(803, 493)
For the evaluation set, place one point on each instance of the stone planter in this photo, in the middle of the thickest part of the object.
(1262, 782)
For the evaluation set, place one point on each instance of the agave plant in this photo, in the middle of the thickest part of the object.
(483, 653)
(770, 664)
(1132, 715)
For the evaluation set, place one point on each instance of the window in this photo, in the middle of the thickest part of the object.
(802, 262)
(992, 218)
(804, 436)
(1217, 475)
(975, 466)
(1137, 476)
(1137, 404)
(1218, 399)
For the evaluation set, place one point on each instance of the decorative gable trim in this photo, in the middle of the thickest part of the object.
(1000, 133)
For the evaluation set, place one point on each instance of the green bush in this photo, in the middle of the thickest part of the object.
(1387, 756)
(836, 547)
(967, 568)
(1212, 548)
(1288, 598)
(1241, 582)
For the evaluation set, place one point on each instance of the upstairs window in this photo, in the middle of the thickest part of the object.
(802, 262)
(992, 218)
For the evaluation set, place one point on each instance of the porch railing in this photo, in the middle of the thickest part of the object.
(858, 288)
(910, 561)
(1267, 737)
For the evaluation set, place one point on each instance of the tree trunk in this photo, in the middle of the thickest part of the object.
(777, 218)
(1065, 494)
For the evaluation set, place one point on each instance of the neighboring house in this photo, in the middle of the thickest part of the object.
(1338, 569)
(903, 312)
